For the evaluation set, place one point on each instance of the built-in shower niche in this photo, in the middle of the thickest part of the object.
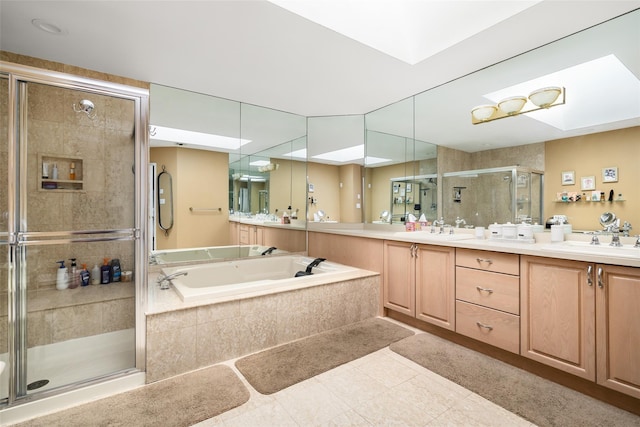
(67, 176)
(484, 196)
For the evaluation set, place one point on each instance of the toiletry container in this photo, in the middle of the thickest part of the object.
(115, 272)
(74, 276)
(72, 171)
(95, 275)
(495, 230)
(105, 272)
(479, 232)
(557, 233)
(509, 231)
(62, 277)
(84, 276)
(525, 231)
(54, 171)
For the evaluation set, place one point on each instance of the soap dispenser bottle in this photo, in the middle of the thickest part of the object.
(95, 275)
(84, 276)
(105, 272)
(74, 276)
(62, 277)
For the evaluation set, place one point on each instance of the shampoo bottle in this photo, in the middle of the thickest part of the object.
(115, 270)
(54, 171)
(84, 275)
(62, 278)
(95, 275)
(105, 272)
(74, 276)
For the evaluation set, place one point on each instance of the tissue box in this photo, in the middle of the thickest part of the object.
(410, 226)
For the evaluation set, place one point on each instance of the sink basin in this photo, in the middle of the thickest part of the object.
(427, 235)
(625, 251)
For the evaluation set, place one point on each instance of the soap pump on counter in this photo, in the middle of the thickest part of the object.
(62, 277)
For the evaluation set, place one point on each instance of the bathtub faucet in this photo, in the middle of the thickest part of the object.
(164, 281)
(269, 251)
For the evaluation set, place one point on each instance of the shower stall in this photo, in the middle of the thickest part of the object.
(73, 163)
(484, 196)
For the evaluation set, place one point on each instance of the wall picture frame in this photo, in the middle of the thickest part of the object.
(568, 178)
(610, 174)
(588, 183)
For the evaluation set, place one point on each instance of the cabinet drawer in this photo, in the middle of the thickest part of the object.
(497, 262)
(490, 326)
(493, 290)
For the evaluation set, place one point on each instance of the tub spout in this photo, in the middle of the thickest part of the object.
(164, 281)
(269, 251)
(312, 264)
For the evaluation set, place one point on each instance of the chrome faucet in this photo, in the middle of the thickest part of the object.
(439, 223)
(594, 239)
(637, 245)
(615, 238)
(626, 227)
(164, 281)
(460, 221)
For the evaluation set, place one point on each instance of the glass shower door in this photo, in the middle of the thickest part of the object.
(76, 206)
(4, 236)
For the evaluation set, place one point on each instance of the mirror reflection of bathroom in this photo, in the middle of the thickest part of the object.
(417, 197)
(485, 196)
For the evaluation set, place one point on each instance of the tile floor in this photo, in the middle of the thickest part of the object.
(380, 389)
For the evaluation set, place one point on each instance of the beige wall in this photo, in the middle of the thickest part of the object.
(197, 177)
(288, 186)
(326, 183)
(587, 156)
(350, 193)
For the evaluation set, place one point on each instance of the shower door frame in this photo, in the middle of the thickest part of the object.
(18, 75)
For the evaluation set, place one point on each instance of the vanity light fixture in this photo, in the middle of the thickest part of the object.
(513, 106)
(85, 106)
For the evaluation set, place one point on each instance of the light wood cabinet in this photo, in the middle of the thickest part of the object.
(488, 297)
(419, 281)
(399, 291)
(435, 285)
(583, 318)
(558, 314)
(618, 328)
(355, 251)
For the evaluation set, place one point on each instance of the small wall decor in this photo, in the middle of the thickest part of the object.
(610, 174)
(588, 183)
(568, 178)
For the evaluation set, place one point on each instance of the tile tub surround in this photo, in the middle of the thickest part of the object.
(188, 338)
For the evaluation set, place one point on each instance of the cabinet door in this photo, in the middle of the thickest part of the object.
(399, 277)
(618, 328)
(558, 314)
(435, 285)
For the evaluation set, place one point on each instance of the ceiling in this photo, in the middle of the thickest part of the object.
(259, 53)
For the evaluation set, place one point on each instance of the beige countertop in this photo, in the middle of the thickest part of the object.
(575, 247)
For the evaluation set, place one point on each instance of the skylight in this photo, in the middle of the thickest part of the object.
(298, 154)
(597, 92)
(408, 30)
(350, 154)
(181, 136)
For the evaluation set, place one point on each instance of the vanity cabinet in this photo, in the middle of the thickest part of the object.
(583, 318)
(419, 281)
(558, 314)
(488, 297)
(618, 328)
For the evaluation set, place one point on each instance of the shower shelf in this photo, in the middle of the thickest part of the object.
(64, 166)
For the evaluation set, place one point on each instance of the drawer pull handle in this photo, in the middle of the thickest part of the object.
(481, 289)
(482, 325)
(487, 260)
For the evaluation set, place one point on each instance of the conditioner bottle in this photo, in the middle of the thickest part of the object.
(105, 272)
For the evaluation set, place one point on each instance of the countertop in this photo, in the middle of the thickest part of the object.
(575, 247)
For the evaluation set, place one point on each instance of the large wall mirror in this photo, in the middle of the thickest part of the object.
(237, 169)
(596, 130)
